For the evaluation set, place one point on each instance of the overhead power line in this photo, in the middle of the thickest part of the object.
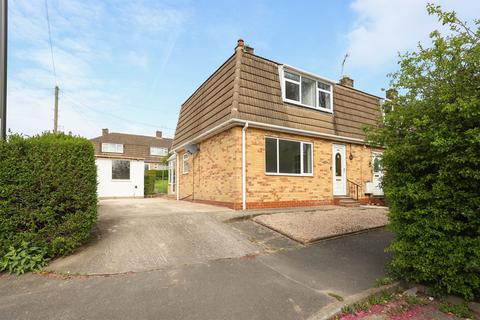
(80, 105)
(50, 41)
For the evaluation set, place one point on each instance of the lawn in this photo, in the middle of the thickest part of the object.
(161, 186)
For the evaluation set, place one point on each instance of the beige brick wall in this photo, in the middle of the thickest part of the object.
(318, 188)
(216, 169)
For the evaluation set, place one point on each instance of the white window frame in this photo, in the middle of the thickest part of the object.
(185, 158)
(162, 152)
(301, 174)
(171, 169)
(116, 147)
(304, 74)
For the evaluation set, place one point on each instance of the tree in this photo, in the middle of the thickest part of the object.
(432, 160)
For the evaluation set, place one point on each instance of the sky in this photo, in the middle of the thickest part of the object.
(129, 65)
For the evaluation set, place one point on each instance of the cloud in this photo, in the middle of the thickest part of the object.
(154, 18)
(384, 28)
(86, 41)
(138, 59)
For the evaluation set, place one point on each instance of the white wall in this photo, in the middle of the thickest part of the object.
(119, 188)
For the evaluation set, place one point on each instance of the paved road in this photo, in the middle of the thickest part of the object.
(292, 284)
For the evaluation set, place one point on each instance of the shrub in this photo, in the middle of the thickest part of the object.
(149, 182)
(25, 258)
(48, 200)
(432, 161)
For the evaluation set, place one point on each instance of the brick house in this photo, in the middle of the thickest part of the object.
(259, 134)
(122, 158)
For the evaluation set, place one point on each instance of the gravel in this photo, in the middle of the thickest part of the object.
(310, 225)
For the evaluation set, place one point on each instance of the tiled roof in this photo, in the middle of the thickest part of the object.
(134, 146)
(247, 87)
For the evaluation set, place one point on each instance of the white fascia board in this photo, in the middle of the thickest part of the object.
(306, 73)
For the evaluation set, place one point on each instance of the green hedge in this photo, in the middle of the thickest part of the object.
(158, 173)
(432, 163)
(149, 182)
(48, 194)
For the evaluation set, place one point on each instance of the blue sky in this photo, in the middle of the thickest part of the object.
(129, 65)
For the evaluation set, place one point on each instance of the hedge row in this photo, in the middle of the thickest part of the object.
(48, 198)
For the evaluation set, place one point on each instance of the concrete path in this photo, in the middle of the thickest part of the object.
(292, 284)
(147, 234)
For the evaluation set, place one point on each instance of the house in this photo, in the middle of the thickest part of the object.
(262, 134)
(122, 159)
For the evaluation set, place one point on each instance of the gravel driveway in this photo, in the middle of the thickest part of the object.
(324, 222)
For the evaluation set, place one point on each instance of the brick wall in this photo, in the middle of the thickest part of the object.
(215, 171)
(215, 174)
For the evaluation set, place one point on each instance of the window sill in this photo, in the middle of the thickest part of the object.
(289, 174)
(121, 180)
(296, 103)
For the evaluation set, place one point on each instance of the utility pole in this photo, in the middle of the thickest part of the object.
(3, 69)
(55, 112)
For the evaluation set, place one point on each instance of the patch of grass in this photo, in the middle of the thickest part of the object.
(384, 281)
(413, 300)
(336, 296)
(347, 310)
(381, 298)
(161, 186)
(361, 306)
(460, 310)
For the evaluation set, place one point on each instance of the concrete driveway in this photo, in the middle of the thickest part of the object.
(162, 259)
(147, 234)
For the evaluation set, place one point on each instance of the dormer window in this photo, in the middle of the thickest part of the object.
(306, 90)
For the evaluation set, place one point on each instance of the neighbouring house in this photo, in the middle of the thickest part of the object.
(259, 134)
(122, 159)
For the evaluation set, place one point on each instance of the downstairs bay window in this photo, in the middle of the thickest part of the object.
(288, 157)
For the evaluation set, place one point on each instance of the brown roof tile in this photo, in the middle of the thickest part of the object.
(134, 146)
(247, 87)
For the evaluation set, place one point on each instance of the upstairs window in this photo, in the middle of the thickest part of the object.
(307, 91)
(112, 147)
(156, 151)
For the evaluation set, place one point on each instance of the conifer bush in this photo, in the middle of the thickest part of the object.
(48, 197)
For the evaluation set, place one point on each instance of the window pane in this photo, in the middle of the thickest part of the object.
(307, 158)
(289, 156)
(292, 76)
(292, 91)
(271, 155)
(324, 86)
(308, 92)
(324, 100)
(338, 165)
(376, 164)
(121, 169)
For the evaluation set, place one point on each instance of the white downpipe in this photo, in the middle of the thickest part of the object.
(177, 175)
(244, 167)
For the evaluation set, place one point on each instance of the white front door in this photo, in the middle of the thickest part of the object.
(339, 170)
(377, 172)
